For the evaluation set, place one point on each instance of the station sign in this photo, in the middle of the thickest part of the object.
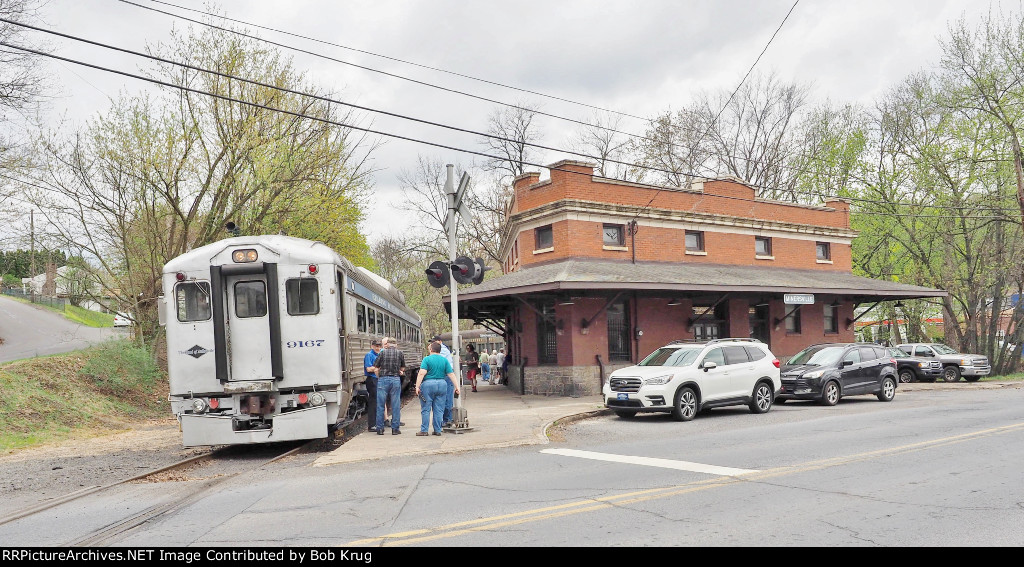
(798, 299)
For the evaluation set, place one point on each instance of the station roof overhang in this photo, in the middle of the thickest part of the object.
(578, 277)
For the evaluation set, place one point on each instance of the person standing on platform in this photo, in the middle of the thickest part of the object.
(432, 389)
(370, 372)
(485, 366)
(472, 364)
(449, 401)
(497, 358)
(390, 365)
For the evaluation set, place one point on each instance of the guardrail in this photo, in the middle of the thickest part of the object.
(58, 303)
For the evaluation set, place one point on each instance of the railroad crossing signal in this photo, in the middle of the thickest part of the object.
(437, 274)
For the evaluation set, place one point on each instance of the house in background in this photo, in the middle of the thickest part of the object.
(598, 273)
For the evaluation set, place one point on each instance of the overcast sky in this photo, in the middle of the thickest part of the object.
(639, 58)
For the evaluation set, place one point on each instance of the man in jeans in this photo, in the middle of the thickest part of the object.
(390, 365)
(370, 372)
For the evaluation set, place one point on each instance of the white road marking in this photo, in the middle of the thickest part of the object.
(650, 462)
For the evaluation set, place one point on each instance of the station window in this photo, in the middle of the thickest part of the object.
(831, 320)
(823, 250)
(694, 241)
(303, 296)
(762, 246)
(250, 299)
(193, 301)
(545, 238)
(793, 322)
(361, 317)
(614, 235)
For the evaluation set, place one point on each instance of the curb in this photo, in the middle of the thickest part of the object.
(573, 418)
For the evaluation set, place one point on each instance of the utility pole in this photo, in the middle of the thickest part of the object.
(32, 253)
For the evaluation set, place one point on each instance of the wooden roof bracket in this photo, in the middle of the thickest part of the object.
(693, 320)
(850, 322)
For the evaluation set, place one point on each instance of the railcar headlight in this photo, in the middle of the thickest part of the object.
(658, 380)
(198, 405)
(316, 399)
(245, 255)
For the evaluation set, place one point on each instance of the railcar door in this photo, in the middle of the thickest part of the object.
(248, 327)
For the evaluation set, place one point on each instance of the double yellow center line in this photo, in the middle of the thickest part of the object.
(414, 537)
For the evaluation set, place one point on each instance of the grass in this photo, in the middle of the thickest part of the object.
(88, 317)
(54, 398)
(80, 315)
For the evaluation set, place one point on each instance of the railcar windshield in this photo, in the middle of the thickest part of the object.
(818, 355)
(673, 356)
(193, 301)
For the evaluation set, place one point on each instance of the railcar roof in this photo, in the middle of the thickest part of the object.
(287, 246)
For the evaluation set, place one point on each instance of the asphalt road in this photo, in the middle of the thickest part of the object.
(936, 468)
(31, 330)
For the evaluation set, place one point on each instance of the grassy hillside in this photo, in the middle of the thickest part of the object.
(98, 390)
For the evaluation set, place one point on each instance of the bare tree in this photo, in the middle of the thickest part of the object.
(511, 130)
(603, 140)
(672, 149)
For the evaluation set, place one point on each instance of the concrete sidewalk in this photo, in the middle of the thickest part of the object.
(501, 418)
(498, 417)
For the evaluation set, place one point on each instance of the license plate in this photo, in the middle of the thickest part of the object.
(623, 396)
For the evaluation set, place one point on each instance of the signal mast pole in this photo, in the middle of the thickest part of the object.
(449, 189)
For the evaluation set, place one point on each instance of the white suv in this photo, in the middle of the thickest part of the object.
(686, 377)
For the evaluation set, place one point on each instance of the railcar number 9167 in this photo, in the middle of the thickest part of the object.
(301, 344)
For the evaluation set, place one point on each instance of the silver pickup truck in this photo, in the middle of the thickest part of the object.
(954, 364)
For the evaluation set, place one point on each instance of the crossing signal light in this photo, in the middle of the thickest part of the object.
(437, 274)
(464, 270)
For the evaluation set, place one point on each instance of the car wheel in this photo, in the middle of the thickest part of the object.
(830, 393)
(625, 414)
(888, 391)
(685, 407)
(972, 378)
(906, 376)
(762, 399)
(951, 373)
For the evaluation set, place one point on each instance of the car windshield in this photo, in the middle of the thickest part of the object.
(819, 355)
(943, 349)
(673, 356)
(897, 353)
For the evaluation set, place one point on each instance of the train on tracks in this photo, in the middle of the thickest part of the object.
(266, 337)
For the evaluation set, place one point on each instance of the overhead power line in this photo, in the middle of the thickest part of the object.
(335, 101)
(390, 58)
(354, 127)
(726, 105)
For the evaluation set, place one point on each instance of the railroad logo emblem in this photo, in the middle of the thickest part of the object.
(196, 351)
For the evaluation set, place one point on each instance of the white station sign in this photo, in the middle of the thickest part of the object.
(798, 299)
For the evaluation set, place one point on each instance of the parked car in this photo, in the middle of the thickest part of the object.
(830, 371)
(122, 320)
(684, 378)
(915, 369)
(954, 364)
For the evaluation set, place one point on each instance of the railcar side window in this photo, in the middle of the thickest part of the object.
(361, 317)
(193, 300)
(250, 299)
(303, 296)
(373, 321)
(380, 324)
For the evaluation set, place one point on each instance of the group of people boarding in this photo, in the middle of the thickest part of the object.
(437, 383)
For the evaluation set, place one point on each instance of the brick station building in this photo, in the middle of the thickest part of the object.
(598, 273)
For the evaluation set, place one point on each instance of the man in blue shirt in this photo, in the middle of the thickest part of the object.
(449, 401)
(435, 370)
(370, 371)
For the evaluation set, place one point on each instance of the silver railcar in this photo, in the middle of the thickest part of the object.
(266, 337)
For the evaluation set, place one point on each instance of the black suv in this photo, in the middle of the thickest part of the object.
(915, 368)
(827, 372)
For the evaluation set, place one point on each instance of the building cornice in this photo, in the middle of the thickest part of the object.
(577, 208)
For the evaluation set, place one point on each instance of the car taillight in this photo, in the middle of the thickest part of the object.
(776, 363)
(892, 361)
